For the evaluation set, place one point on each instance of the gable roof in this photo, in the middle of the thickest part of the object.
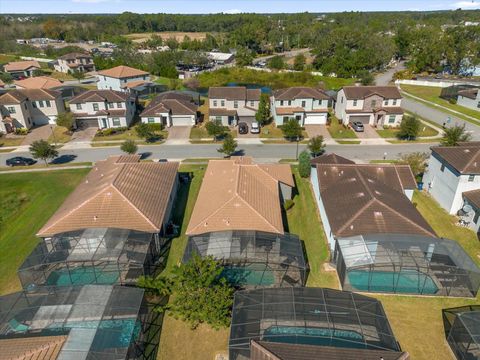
(32, 348)
(361, 92)
(21, 65)
(122, 71)
(233, 93)
(300, 92)
(99, 96)
(18, 95)
(358, 203)
(237, 194)
(465, 159)
(74, 56)
(177, 104)
(38, 82)
(469, 93)
(119, 192)
(331, 158)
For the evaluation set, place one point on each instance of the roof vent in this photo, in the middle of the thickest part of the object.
(378, 214)
(351, 227)
(95, 217)
(86, 181)
(475, 164)
(205, 224)
(370, 180)
(101, 175)
(378, 192)
(467, 150)
(341, 172)
(325, 173)
(360, 194)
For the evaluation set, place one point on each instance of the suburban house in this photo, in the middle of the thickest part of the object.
(29, 107)
(233, 104)
(121, 78)
(38, 82)
(469, 98)
(74, 62)
(308, 106)
(171, 109)
(21, 69)
(103, 109)
(378, 106)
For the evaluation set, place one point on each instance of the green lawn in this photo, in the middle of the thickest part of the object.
(15, 141)
(432, 94)
(271, 131)
(200, 132)
(129, 134)
(26, 203)
(340, 131)
(60, 135)
(425, 131)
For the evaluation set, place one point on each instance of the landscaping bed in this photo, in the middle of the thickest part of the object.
(121, 134)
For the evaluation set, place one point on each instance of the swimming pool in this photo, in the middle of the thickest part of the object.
(314, 336)
(253, 274)
(82, 276)
(407, 281)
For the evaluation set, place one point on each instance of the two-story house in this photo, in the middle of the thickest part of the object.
(21, 69)
(307, 105)
(371, 105)
(453, 179)
(232, 104)
(171, 109)
(103, 109)
(121, 78)
(74, 62)
(469, 98)
(29, 107)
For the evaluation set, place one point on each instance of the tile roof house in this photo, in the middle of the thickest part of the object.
(119, 192)
(171, 109)
(307, 105)
(356, 199)
(32, 348)
(75, 62)
(232, 104)
(25, 108)
(237, 194)
(37, 82)
(103, 109)
(373, 105)
(19, 69)
(330, 158)
(121, 78)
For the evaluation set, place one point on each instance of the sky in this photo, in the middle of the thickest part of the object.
(226, 6)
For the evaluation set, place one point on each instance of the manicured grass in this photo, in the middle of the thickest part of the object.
(346, 142)
(200, 132)
(271, 131)
(129, 134)
(425, 131)
(432, 94)
(383, 161)
(340, 131)
(41, 165)
(60, 135)
(26, 204)
(419, 140)
(15, 141)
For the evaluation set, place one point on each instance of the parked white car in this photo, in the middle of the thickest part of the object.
(255, 128)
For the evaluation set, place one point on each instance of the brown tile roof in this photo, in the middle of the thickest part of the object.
(18, 95)
(38, 82)
(300, 93)
(132, 84)
(390, 110)
(331, 158)
(119, 192)
(357, 202)
(469, 93)
(32, 348)
(100, 95)
(263, 350)
(237, 194)
(361, 92)
(221, 112)
(122, 71)
(21, 65)
(174, 103)
(74, 56)
(465, 159)
(233, 93)
(288, 110)
(473, 197)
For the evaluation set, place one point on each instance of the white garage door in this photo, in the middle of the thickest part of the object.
(315, 119)
(182, 121)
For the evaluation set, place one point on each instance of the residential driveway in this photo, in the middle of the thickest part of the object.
(84, 135)
(38, 133)
(178, 135)
(315, 130)
(368, 133)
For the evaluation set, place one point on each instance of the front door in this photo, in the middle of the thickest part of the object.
(231, 120)
(104, 123)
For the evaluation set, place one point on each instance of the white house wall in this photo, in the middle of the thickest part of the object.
(468, 103)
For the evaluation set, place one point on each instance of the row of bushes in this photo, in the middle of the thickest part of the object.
(154, 127)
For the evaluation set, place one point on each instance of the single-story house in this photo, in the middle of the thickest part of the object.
(171, 109)
(21, 69)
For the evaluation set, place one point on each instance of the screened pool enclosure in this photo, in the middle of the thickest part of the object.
(253, 258)
(309, 316)
(91, 256)
(410, 264)
(100, 321)
(462, 330)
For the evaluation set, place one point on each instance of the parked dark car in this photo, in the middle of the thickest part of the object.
(20, 161)
(357, 126)
(242, 128)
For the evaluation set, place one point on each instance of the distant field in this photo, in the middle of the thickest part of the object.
(177, 35)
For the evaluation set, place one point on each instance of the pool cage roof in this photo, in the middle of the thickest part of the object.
(441, 257)
(101, 320)
(462, 330)
(248, 247)
(319, 315)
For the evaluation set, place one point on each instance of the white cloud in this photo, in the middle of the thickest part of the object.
(466, 5)
(232, 11)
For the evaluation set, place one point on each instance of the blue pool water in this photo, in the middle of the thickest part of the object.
(409, 282)
(254, 274)
(82, 276)
(314, 336)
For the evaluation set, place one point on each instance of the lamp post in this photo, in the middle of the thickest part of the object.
(53, 134)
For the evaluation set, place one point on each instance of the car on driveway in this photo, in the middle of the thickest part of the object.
(255, 128)
(357, 126)
(242, 128)
(20, 161)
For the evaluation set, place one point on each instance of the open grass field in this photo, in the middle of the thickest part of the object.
(432, 94)
(425, 131)
(26, 203)
(165, 35)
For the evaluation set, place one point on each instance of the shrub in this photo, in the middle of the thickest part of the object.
(288, 204)
(21, 131)
(155, 127)
(304, 164)
(452, 101)
(129, 147)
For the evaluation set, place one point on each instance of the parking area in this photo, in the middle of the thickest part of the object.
(248, 120)
(179, 132)
(316, 130)
(85, 134)
(368, 133)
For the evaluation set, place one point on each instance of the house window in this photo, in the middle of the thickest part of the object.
(11, 109)
(354, 102)
(218, 118)
(79, 106)
(40, 103)
(110, 105)
(151, 120)
(442, 168)
(289, 102)
(281, 102)
(391, 119)
(385, 103)
(252, 103)
(235, 104)
(214, 103)
(47, 103)
(34, 104)
(471, 178)
(394, 102)
(95, 106)
(341, 100)
(285, 119)
(116, 121)
(477, 215)
(304, 103)
(298, 117)
(478, 104)
(374, 103)
(119, 105)
(222, 103)
(25, 105)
